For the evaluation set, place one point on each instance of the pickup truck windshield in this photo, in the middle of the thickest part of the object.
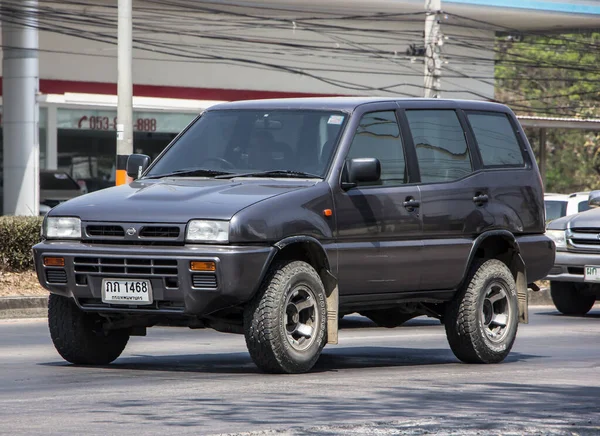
(271, 142)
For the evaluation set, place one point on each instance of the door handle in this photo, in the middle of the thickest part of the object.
(480, 199)
(411, 204)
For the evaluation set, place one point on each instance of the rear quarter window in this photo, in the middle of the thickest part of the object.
(496, 139)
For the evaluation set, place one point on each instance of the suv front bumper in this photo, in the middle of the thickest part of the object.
(569, 266)
(176, 289)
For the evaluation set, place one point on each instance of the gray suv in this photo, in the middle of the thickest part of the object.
(273, 218)
(575, 276)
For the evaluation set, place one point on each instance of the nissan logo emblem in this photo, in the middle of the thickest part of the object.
(130, 231)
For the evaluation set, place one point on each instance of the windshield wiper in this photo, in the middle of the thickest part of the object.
(190, 172)
(271, 173)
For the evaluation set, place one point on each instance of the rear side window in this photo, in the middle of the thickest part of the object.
(440, 144)
(496, 139)
(583, 206)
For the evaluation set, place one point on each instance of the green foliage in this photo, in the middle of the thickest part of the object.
(556, 75)
(17, 235)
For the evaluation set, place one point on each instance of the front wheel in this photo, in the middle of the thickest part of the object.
(78, 336)
(569, 298)
(482, 320)
(285, 323)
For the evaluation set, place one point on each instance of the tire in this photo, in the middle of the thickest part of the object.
(569, 299)
(482, 320)
(289, 306)
(388, 318)
(75, 337)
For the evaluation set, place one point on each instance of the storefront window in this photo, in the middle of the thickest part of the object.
(87, 141)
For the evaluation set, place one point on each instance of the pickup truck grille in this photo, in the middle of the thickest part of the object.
(134, 233)
(111, 266)
(584, 238)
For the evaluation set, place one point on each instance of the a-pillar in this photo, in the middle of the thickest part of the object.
(20, 112)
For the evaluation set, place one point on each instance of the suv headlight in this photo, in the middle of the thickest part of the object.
(559, 237)
(63, 228)
(207, 231)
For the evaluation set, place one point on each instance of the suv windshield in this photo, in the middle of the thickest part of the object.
(289, 142)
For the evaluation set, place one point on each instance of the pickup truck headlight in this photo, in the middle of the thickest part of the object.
(207, 231)
(559, 237)
(63, 228)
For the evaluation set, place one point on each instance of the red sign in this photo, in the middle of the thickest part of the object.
(98, 122)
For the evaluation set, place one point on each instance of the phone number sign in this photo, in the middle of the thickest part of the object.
(77, 119)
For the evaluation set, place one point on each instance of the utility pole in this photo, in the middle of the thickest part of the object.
(124, 90)
(433, 49)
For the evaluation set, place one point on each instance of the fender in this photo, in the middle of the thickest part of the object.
(481, 238)
(517, 268)
(329, 281)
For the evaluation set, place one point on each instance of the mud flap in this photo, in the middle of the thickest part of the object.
(522, 288)
(332, 316)
(333, 302)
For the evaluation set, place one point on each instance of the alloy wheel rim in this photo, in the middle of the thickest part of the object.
(301, 317)
(496, 312)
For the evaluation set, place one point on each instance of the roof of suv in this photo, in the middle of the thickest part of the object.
(351, 103)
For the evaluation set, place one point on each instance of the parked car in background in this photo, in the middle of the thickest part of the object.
(559, 205)
(575, 277)
(57, 187)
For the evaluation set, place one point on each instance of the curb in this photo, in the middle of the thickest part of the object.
(23, 307)
(37, 307)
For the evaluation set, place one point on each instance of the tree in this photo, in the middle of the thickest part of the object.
(556, 75)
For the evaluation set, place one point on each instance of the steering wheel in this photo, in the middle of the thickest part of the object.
(228, 164)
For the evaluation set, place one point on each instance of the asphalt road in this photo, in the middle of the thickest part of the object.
(377, 381)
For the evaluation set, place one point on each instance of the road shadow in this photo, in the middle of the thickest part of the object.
(356, 321)
(553, 312)
(334, 359)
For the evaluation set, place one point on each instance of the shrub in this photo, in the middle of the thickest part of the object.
(17, 235)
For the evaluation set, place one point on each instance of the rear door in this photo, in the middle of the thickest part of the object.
(379, 227)
(453, 198)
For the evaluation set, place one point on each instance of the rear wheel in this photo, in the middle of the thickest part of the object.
(78, 336)
(389, 318)
(285, 323)
(569, 298)
(482, 321)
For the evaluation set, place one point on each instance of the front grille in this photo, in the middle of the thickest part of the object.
(578, 241)
(585, 230)
(159, 232)
(125, 266)
(56, 276)
(105, 231)
(204, 281)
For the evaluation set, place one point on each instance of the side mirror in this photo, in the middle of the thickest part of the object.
(137, 164)
(364, 169)
(594, 198)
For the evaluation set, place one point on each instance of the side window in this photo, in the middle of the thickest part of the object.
(440, 144)
(378, 136)
(496, 139)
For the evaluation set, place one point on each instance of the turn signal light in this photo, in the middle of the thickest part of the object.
(54, 261)
(203, 266)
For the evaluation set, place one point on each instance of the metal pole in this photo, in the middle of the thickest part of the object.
(20, 87)
(433, 42)
(543, 155)
(124, 91)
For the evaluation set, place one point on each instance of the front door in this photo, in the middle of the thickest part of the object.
(378, 223)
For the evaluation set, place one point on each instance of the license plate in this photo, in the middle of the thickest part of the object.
(591, 273)
(118, 291)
